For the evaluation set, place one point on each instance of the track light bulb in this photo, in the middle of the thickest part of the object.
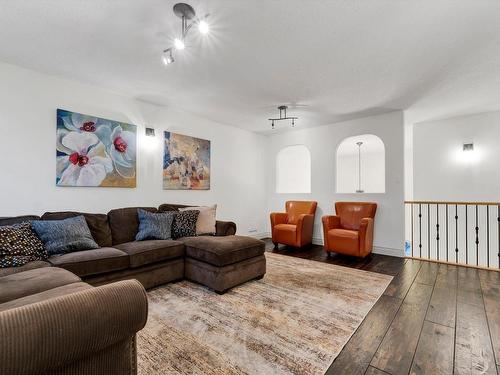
(203, 27)
(179, 43)
(167, 57)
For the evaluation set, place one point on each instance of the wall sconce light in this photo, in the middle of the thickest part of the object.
(469, 154)
(150, 132)
(468, 146)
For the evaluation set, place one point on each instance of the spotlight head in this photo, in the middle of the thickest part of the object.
(179, 43)
(167, 57)
(203, 27)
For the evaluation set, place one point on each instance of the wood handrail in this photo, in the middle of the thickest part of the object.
(455, 203)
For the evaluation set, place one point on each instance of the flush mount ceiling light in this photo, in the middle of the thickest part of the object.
(283, 116)
(186, 13)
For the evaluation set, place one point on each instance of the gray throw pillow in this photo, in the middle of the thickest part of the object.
(154, 226)
(64, 236)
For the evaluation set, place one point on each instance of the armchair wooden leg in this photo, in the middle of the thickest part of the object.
(275, 245)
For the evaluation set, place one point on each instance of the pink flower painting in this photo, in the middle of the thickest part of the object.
(94, 152)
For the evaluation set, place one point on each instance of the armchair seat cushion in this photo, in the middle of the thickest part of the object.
(344, 241)
(285, 234)
(92, 262)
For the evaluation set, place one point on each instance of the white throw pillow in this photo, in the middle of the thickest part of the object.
(206, 219)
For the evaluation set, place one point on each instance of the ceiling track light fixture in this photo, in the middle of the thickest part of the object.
(186, 13)
(283, 116)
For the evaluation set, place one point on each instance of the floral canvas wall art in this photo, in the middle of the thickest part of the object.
(92, 151)
(186, 163)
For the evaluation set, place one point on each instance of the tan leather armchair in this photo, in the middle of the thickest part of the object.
(295, 227)
(350, 232)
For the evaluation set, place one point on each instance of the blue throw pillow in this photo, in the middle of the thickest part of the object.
(154, 226)
(64, 236)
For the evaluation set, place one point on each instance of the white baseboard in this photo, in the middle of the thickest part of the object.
(389, 251)
(319, 241)
(376, 249)
(259, 235)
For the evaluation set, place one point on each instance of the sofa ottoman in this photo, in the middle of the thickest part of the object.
(222, 263)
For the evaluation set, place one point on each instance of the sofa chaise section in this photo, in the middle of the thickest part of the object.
(222, 263)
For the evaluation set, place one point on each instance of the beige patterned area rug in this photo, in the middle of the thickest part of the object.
(294, 321)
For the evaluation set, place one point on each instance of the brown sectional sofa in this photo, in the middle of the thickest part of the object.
(86, 327)
(120, 257)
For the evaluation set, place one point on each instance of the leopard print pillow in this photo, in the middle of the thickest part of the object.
(184, 224)
(19, 245)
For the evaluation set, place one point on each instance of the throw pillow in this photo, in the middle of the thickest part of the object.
(206, 219)
(154, 226)
(19, 245)
(64, 236)
(185, 223)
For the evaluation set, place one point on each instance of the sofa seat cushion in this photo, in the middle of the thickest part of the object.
(28, 266)
(92, 262)
(34, 281)
(343, 240)
(221, 251)
(147, 252)
(45, 295)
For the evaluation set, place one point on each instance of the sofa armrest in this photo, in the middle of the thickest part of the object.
(366, 236)
(278, 218)
(329, 222)
(225, 228)
(43, 336)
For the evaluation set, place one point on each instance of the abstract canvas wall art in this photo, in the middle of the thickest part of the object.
(186, 163)
(92, 151)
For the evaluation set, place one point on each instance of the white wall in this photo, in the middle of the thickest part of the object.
(442, 171)
(372, 172)
(28, 103)
(293, 165)
(323, 142)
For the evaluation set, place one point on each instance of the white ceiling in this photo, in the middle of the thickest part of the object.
(341, 59)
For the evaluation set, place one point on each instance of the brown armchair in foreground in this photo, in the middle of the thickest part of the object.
(350, 232)
(295, 227)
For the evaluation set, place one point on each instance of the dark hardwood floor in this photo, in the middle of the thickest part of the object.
(432, 318)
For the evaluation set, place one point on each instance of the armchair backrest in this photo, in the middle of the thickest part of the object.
(296, 208)
(351, 213)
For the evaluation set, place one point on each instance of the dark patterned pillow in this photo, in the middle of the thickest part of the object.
(19, 245)
(184, 224)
